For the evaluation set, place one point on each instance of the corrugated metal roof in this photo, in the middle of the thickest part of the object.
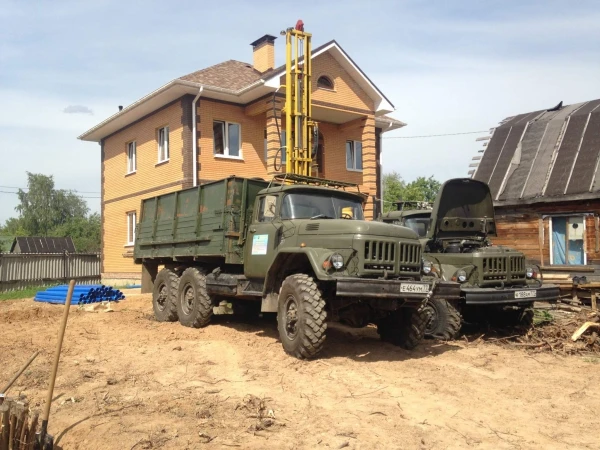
(544, 156)
(43, 245)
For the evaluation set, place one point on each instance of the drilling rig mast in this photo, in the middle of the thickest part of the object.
(301, 130)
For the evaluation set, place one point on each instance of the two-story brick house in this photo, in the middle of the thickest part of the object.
(226, 120)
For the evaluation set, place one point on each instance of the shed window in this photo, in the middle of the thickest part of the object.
(567, 240)
(324, 82)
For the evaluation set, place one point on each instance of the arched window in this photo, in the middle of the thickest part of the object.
(325, 82)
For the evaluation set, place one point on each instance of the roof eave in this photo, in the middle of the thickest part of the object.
(178, 88)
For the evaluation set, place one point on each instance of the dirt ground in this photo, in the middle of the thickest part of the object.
(128, 382)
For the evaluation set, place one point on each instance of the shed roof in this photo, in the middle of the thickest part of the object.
(42, 245)
(548, 155)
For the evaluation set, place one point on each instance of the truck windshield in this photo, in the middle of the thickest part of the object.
(314, 206)
(419, 224)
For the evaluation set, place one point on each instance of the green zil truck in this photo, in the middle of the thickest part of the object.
(497, 286)
(298, 246)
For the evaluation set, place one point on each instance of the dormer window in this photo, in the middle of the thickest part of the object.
(325, 82)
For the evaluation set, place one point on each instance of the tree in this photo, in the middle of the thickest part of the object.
(46, 211)
(396, 189)
(42, 208)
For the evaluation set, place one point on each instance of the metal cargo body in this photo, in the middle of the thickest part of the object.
(207, 221)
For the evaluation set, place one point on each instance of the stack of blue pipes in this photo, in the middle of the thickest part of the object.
(82, 294)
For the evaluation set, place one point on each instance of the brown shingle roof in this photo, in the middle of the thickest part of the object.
(233, 75)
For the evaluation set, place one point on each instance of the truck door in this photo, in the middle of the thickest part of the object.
(263, 238)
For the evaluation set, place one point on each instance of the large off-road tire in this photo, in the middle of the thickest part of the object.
(404, 327)
(194, 306)
(301, 316)
(164, 296)
(443, 321)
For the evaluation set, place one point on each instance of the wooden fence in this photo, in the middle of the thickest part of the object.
(20, 270)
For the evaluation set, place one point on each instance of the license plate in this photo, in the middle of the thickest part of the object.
(525, 294)
(414, 288)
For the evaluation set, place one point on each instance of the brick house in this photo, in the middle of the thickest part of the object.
(223, 120)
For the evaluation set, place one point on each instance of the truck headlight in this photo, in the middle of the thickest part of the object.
(461, 276)
(337, 261)
(529, 272)
(426, 267)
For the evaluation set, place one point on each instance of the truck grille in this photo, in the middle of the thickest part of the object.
(517, 267)
(383, 255)
(495, 268)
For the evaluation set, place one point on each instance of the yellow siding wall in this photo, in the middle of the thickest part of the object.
(252, 163)
(345, 92)
(149, 176)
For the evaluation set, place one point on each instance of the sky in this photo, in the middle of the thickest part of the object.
(447, 66)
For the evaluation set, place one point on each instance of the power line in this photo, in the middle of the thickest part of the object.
(16, 193)
(72, 190)
(434, 135)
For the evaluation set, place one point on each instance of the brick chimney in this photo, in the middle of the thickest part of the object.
(264, 53)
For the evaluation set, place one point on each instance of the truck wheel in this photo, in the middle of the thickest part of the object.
(443, 320)
(404, 327)
(164, 296)
(301, 316)
(194, 306)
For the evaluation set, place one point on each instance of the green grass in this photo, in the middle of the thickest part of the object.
(541, 316)
(22, 293)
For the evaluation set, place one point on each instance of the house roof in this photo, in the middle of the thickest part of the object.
(548, 155)
(230, 74)
(43, 245)
(232, 81)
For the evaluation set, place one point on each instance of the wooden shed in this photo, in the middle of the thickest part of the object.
(543, 170)
(42, 245)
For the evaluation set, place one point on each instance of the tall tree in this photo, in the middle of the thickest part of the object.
(42, 208)
(46, 211)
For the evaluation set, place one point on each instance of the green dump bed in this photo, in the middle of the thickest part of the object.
(205, 221)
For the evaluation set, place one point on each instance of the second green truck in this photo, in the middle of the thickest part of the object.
(497, 285)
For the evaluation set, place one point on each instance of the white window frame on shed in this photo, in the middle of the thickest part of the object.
(226, 140)
(131, 222)
(162, 139)
(131, 157)
(551, 239)
(351, 159)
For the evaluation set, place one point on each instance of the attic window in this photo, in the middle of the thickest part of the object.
(324, 82)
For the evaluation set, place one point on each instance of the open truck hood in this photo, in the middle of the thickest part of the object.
(463, 209)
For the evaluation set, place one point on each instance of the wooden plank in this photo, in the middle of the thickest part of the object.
(561, 268)
(597, 233)
(583, 329)
(594, 306)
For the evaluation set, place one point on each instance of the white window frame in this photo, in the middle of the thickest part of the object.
(226, 140)
(131, 215)
(353, 168)
(160, 144)
(551, 240)
(131, 157)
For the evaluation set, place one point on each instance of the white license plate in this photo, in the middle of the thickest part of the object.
(525, 294)
(414, 288)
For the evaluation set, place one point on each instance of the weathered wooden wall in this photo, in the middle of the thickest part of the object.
(519, 228)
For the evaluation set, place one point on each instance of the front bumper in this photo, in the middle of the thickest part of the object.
(395, 289)
(510, 296)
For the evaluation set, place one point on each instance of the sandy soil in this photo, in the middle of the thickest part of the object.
(128, 382)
